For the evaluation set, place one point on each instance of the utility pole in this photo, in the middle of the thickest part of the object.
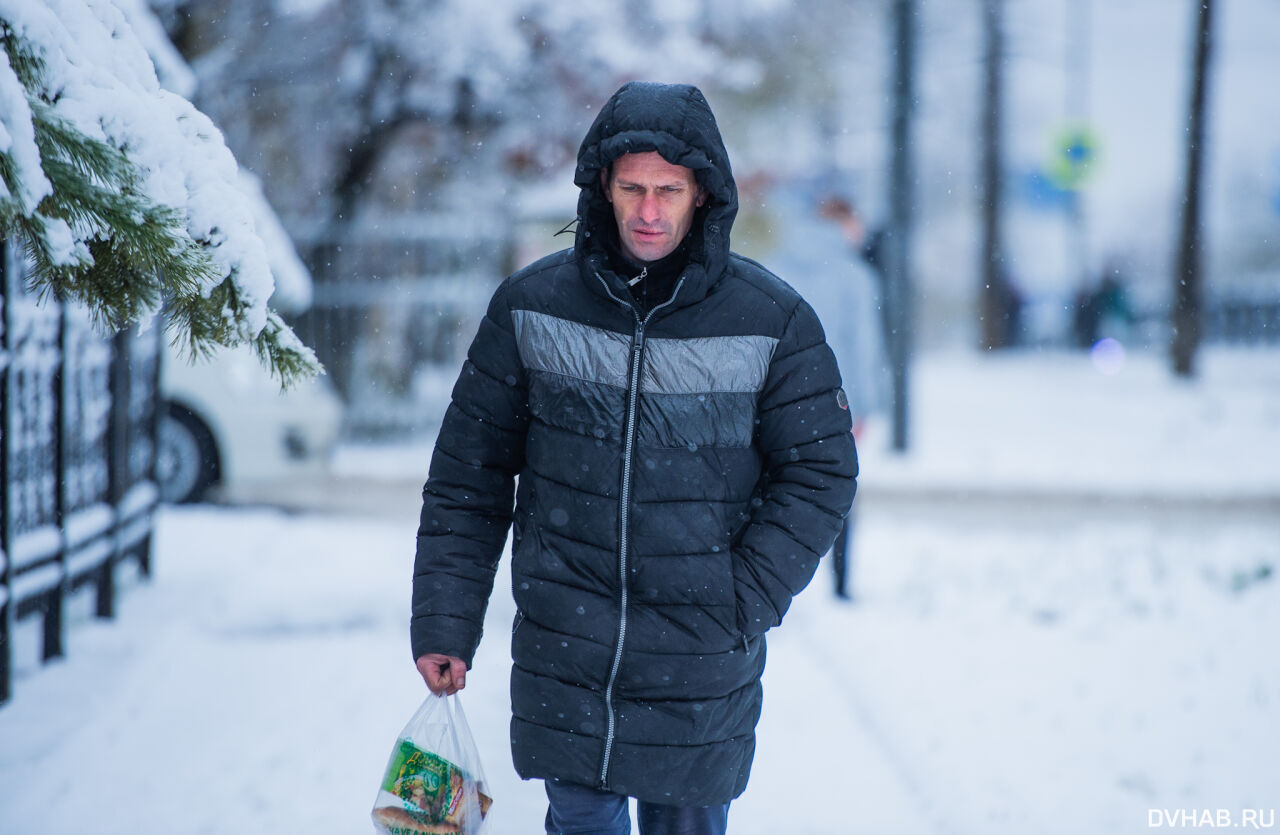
(1077, 82)
(897, 241)
(992, 292)
(1187, 289)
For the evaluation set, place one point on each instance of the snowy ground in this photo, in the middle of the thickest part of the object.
(1066, 617)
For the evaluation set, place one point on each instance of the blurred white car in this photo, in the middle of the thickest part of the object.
(225, 423)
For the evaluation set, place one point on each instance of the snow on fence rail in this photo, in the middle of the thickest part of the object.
(77, 459)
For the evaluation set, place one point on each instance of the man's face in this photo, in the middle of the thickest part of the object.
(653, 203)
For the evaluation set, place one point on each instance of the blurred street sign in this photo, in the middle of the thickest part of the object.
(1039, 190)
(1074, 156)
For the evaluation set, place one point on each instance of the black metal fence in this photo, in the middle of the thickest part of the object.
(1242, 321)
(77, 459)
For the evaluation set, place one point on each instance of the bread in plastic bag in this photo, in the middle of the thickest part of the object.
(433, 782)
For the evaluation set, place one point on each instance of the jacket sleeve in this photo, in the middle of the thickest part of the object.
(809, 475)
(467, 500)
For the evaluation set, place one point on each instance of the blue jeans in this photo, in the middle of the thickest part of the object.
(579, 810)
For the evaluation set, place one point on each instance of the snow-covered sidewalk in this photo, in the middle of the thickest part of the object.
(1002, 671)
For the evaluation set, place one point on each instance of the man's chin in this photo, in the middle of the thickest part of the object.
(642, 251)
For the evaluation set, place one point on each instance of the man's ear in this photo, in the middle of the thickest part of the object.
(604, 183)
(702, 196)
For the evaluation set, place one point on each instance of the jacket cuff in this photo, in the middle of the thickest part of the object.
(426, 636)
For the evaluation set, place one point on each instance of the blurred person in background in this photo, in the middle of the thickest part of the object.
(821, 254)
(684, 459)
(855, 332)
(1104, 309)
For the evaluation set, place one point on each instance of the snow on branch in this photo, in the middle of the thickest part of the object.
(125, 194)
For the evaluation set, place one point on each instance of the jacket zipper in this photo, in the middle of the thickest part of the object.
(624, 543)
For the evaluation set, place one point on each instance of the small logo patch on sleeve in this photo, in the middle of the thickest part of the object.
(841, 400)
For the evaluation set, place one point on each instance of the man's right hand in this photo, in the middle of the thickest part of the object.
(444, 674)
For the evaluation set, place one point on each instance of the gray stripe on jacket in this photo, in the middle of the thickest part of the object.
(700, 365)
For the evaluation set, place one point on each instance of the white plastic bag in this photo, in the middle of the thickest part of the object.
(433, 782)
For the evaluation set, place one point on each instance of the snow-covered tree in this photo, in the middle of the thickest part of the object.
(333, 102)
(124, 195)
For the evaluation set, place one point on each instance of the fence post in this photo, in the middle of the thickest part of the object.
(55, 597)
(117, 463)
(153, 432)
(7, 604)
(143, 432)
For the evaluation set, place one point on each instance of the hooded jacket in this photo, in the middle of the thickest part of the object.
(681, 468)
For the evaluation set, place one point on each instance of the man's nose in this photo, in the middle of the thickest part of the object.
(650, 211)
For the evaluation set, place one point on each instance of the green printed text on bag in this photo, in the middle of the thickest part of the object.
(428, 782)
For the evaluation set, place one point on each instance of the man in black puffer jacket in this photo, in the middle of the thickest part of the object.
(684, 457)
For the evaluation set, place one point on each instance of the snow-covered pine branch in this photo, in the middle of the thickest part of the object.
(124, 194)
